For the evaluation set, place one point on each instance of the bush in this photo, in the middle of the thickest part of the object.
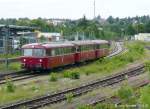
(69, 97)
(10, 87)
(74, 75)
(125, 92)
(66, 74)
(87, 73)
(35, 88)
(145, 98)
(53, 77)
(147, 66)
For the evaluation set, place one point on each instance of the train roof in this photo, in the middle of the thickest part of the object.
(48, 45)
(63, 44)
(87, 42)
(100, 41)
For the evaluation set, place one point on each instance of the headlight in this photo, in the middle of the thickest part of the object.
(40, 60)
(24, 60)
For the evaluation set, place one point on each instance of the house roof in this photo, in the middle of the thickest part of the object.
(19, 28)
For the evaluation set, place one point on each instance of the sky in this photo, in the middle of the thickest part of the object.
(72, 9)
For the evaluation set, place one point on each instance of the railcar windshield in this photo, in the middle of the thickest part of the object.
(27, 52)
(34, 52)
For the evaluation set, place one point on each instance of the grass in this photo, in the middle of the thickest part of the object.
(14, 66)
(92, 71)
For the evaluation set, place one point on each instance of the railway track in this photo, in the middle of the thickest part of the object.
(16, 76)
(117, 50)
(23, 74)
(60, 96)
(19, 77)
(113, 99)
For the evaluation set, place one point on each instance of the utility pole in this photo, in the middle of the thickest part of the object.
(94, 9)
(77, 36)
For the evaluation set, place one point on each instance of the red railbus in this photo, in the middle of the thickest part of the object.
(40, 56)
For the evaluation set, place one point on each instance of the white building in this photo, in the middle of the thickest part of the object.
(142, 36)
(50, 36)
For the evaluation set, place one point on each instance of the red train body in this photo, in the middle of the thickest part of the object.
(51, 55)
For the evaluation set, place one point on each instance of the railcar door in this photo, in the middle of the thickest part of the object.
(68, 55)
(77, 53)
(56, 58)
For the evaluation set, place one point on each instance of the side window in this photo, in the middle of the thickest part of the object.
(73, 50)
(59, 51)
(67, 50)
(87, 47)
(48, 52)
(56, 51)
(99, 46)
(103, 46)
(107, 45)
(92, 47)
(78, 49)
(53, 52)
(64, 51)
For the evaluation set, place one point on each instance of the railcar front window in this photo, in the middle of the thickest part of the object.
(38, 52)
(34, 52)
(27, 52)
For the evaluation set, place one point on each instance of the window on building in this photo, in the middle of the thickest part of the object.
(1, 43)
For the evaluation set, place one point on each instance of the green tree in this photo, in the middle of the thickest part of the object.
(147, 27)
(42, 39)
(110, 19)
(130, 30)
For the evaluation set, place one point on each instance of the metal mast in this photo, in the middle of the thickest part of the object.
(94, 8)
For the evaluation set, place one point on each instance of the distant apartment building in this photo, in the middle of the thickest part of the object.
(142, 37)
(57, 21)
